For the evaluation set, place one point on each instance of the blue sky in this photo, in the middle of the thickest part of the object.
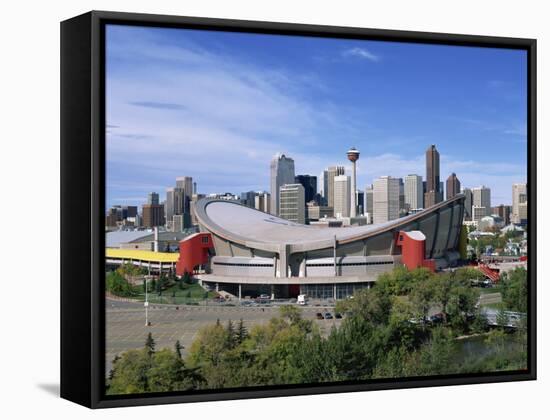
(217, 106)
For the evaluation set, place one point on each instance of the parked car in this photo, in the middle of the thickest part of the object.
(417, 321)
(436, 318)
(319, 315)
(328, 315)
(337, 315)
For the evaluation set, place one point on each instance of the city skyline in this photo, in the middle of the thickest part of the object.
(298, 107)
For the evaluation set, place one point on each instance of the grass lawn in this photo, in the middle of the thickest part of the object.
(486, 290)
(187, 294)
(496, 305)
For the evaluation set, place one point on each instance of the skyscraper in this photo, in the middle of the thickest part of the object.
(152, 198)
(180, 201)
(481, 197)
(342, 195)
(292, 203)
(113, 216)
(433, 193)
(519, 195)
(169, 204)
(282, 172)
(386, 199)
(403, 209)
(248, 198)
(468, 202)
(177, 223)
(453, 186)
(309, 182)
(128, 211)
(414, 196)
(262, 201)
(328, 179)
(478, 212)
(186, 183)
(360, 202)
(153, 215)
(369, 199)
(504, 212)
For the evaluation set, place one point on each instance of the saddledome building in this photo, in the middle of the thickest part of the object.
(247, 252)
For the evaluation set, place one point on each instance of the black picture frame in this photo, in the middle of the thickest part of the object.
(83, 204)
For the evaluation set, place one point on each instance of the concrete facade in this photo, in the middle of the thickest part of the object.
(385, 199)
(254, 248)
(414, 195)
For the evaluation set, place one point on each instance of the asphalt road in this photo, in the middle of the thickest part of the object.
(489, 298)
(125, 323)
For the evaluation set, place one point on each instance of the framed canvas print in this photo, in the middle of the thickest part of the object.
(255, 209)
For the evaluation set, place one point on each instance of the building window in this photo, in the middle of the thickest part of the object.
(204, 239)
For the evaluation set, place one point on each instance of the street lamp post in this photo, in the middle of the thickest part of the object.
(146, 304)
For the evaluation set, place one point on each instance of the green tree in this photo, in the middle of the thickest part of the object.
(291, 312)
(242, 333)
(112, 371)
(372, 305)
(178, 347)
(465, 274)
(130, 373)
(436, 356)
(169, 373)
(462, 307)
(128, 269)
(479, 324)
(187, 279)
(230, 330)
(423, 297)
(116, 284)
(396, 282)
(443, 287)
(138, 371)
(515, 289)
(150, 344)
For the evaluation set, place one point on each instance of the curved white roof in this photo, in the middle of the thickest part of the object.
(416, 235)
(239, 223)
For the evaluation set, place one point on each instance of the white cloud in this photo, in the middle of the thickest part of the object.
(221, 121)
(361, 53)
(183, 111)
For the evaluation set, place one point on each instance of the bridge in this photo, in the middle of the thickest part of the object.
(490, 272)
(512, 319)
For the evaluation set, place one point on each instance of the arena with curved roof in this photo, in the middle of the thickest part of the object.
(254, 252)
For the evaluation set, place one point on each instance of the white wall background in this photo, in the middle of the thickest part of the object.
(29, 165)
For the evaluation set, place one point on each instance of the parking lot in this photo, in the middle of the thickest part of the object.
(125, 323)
